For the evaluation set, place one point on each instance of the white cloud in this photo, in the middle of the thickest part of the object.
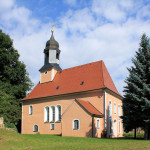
(109, 10)
(6, 4)
(84, 36)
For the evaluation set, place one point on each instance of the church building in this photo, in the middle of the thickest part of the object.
(81, 101)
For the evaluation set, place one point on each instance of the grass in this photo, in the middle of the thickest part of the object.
(10, 140)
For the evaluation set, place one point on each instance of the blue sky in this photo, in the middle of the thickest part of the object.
(87, 31)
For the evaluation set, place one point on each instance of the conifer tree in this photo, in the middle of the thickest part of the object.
(136, 102)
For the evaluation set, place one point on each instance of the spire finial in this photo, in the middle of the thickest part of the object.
(54, 25)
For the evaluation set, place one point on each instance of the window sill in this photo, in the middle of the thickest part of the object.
(57, 121)
(46, 122)
(52, 121)
(75, 129)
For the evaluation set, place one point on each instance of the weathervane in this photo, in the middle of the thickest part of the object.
(54, 25)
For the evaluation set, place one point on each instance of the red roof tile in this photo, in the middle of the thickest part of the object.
(94, 75)
(89, 107)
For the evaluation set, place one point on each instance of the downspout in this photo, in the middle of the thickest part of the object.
(92, 126)
(105, 110)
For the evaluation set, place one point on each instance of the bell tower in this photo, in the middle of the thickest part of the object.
(51, 60)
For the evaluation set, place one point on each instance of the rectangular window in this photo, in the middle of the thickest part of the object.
(59, 113)
(110, 126)
(76, 124)
(114, 108)
(110, 109)
(30, 110)
(98, 123)
(119, 112)
(52, 126)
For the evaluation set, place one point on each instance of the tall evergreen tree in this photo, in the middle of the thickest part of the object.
(14, 80)
(136, 102)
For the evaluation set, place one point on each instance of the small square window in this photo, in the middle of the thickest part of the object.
(45, 72)
(52, 126)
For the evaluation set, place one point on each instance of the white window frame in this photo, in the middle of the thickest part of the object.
(34, 128)
(51, 114)
(110, 133)
(51, 126)
(30, 109)
(114, 126)
(46, 114)
(57, 113)
(120, 126)
(110, 108)
(78, 124)
(119, 110)
(115, 106)
(98, 127)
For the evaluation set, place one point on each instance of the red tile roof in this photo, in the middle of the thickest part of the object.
(89, 107)
(94, 75)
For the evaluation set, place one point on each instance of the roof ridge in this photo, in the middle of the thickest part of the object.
(81, 65)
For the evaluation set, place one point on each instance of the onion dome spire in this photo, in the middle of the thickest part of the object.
(52, 43)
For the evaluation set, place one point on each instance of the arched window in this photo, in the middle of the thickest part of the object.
(35, 128)
(57, 56)
(52, 114)
(76, 124)
(46, 114)
(58, 113)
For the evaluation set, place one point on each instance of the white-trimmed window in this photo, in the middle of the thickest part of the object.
(35, 128)
(52, 113)
(46, 114)
(114, 108)
(76, 124)
(119, 112)
(52, 126)
(110, 126)
(98, 123)
(119, 126)
(110, 109)
(58, 113)
(30, 110)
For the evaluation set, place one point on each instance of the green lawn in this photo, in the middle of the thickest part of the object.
(10, 140)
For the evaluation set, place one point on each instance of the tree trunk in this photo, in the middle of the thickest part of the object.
(135, 133)
(146, 132)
